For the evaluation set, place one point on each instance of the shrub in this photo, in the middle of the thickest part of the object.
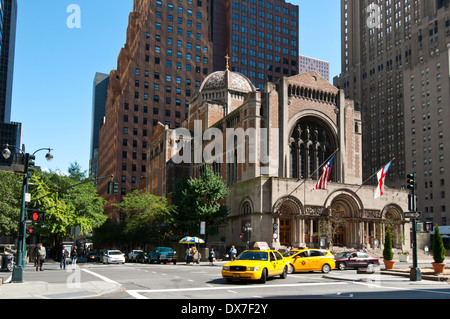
(387, 251)
(438, 246)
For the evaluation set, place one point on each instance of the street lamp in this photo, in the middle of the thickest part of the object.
(28, 169)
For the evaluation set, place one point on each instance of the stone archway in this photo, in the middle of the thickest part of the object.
(286, 221)
(343, 221)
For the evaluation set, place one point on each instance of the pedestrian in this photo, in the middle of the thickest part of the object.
(74, 255)
(212, 255)
(188, 258)
(64, 255)
(39, 253)
(233, 253)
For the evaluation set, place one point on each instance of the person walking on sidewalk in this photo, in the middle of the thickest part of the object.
(74, 255)
(64, 255)
(39, 253)
(211, 258)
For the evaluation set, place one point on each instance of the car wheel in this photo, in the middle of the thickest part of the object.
(326, 268)
(341, 266)
(263, 278)
(174, 262)
(291, 269)
(284, 273)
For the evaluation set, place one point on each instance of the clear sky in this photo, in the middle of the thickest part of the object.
(55, 66)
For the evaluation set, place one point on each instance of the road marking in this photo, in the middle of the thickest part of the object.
(399, 288)
(142, 291)
(233, 292)
(100, 276)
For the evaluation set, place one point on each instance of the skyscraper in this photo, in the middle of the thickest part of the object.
(10, 132)
(260, 36)
(168, 52)
(171, 47)
(99, 96)
(395, 67)
(307, 64)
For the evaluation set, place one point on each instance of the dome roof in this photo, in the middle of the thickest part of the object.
(227, 80)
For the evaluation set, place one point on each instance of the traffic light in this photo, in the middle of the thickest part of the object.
(31, 163)
(115, 188)
(37, 216)
(31, 231)
(411, 181)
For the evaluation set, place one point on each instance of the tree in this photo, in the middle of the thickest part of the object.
(66, 203)
(10, 201)
(200, 199)
(148, 217)
(387, 251)
(438, 246)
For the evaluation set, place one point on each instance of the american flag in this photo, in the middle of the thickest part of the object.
(322, 183)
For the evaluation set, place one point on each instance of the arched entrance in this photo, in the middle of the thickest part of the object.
(286, 221)
(343, 221)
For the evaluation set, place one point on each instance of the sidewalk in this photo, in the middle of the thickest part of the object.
(54, 283)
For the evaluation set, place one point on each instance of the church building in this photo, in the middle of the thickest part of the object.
(270, 149)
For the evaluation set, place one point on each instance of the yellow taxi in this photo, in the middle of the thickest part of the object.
(310, 259)
(256, 265)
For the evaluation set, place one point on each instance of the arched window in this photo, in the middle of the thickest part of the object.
(311, 143)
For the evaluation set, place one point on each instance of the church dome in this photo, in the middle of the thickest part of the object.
(227, 80)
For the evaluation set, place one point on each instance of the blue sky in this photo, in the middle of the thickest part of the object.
(55, 66)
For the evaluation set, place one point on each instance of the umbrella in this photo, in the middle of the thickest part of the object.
(191, 240)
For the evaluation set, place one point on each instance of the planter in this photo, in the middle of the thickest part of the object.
(403, 258)
(389, 264)
(438, 267)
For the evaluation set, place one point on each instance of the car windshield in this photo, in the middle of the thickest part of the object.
(114, 252)
(164, 250)
(343, 255)
(290, 253)
(254, 255)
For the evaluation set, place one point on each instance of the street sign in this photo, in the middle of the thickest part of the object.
(412, 214)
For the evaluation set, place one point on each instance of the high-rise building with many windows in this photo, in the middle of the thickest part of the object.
(171, 47)
(260, 36)
(10, 132)
(395, 66)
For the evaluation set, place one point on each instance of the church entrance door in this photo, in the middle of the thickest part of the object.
(285, 231)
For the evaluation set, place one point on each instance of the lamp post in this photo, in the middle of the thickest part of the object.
(28, 169)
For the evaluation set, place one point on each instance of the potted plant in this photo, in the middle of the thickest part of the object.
(403, 256)
(438, 252)
(388, 255)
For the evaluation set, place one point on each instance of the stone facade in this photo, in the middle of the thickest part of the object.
(296, 125)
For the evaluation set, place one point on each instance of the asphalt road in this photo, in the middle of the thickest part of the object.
(190, 282)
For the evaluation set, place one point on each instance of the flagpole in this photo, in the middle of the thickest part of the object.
(373, 175)
(326, 161)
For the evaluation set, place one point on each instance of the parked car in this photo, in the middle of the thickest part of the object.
(256, 265)
(113, 256)
(309, 260)
(132, 255)
(92, 256)
(163, 255)
(355, 260)
(142, 257)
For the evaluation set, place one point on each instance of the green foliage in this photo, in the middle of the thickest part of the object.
(387, 251)
(438, 246)
(149, 217)
(71, 205)
(200, 199)
(10, 201)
